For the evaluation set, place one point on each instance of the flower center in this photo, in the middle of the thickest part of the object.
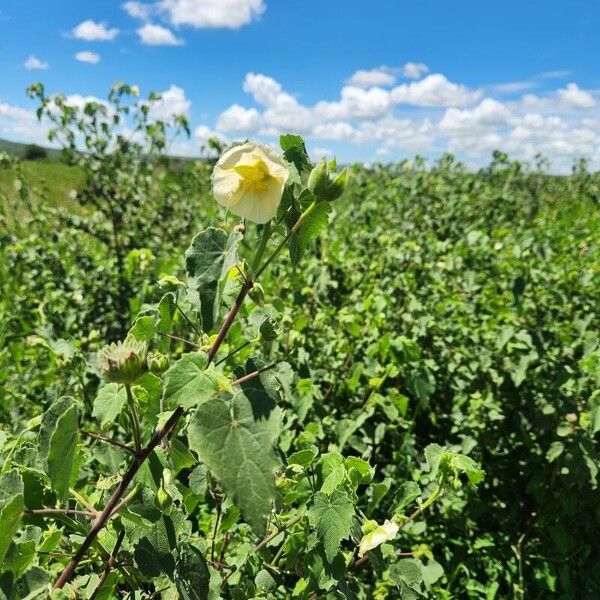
(255, 177)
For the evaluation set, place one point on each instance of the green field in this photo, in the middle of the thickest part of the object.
(429, 323)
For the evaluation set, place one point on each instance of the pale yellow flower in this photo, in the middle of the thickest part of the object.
(249, 181)
(377, 535)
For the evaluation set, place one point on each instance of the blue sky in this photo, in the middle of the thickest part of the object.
(380, 80)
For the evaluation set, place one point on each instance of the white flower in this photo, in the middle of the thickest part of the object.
(249, 181)
(377, 535)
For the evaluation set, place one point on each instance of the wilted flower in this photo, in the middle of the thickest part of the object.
(123, 362)
(375, 535)
(249, 181)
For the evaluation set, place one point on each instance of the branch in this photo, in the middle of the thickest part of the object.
(108, 441)
(110, 563)
(253, 374)
(103, 517)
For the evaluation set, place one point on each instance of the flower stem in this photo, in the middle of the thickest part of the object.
(266, 234)
(135, 423)
(301, 219)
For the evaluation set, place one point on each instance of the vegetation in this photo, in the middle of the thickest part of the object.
(198, 407)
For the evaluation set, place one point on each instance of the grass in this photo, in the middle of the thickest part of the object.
(49, 179)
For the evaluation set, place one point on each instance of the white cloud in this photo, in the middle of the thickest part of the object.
(239, 120)
(35, 63)
(574, 97)
(86, 56)
(414, 70)
(489, 113)
(93, 31)
(512, 87)
(434, 91)
(157, 35)
(231, 14)
(172, 102)
(138, 10)
(370, 78)
(356, 103)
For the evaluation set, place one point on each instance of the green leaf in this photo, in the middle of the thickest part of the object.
(192, 576)
(408, 492)
(332, 471)
(143, 328)
(58, 442)
(153, 553)
(407, 575)
(331, 516)
(235, 439)
(109, 403)
(11, 509)
(209, 258)
(310, 229)
(190, 382)
(294, 151)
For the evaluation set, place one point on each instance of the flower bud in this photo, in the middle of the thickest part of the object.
(163, 498)
(123, 362)
(268, 330)
(157, 363)
(324, 183)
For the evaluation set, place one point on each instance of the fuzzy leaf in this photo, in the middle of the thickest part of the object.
(11, 509)
(332, 516)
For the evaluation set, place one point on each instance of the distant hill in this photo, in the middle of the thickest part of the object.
(20, 149)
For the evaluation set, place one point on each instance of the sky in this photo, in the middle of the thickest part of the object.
(366, 81)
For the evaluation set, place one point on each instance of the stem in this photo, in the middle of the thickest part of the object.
(135, 422)
(423, 507)
(191, 324)
(266, 234)
(215, 529)
(83, 501)
(110, 563)
(247, 343)
(253, 374)
(108, 441)
(101, 519)
(59, 511)
(229, 319)
(248, 284)
(287, 238)
(180, 339)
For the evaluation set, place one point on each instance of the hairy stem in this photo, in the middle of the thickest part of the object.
(110, 563)
(103, 517)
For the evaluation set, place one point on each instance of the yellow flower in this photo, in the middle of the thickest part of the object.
(375, 535)
(249, 181)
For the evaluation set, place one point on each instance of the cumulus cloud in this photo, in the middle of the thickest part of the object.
(33, 63)
(201, 14)
(237, 119)
(93, 31)
(574, 97)
(373, 77)
(86, 56)
(414, 70)
(172, 102)
(434, 91)
(157, 35)
(138, 10)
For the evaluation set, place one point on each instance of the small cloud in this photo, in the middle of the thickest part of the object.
(156, 35)
(372, 78)
(88, 57)
(513, 87)
(92, 31)
(414, 70)
(555, 74)
(33, 63)
(138, 10)
(574, 97)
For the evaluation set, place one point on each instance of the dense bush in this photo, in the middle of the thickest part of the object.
(440, 316)
(34, 152)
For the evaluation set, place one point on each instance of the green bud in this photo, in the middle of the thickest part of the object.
(324, 183)
(257, 294)
(163, 498)
(123, 362)
(158, 363)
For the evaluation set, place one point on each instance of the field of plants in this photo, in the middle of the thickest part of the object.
(257, 375)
